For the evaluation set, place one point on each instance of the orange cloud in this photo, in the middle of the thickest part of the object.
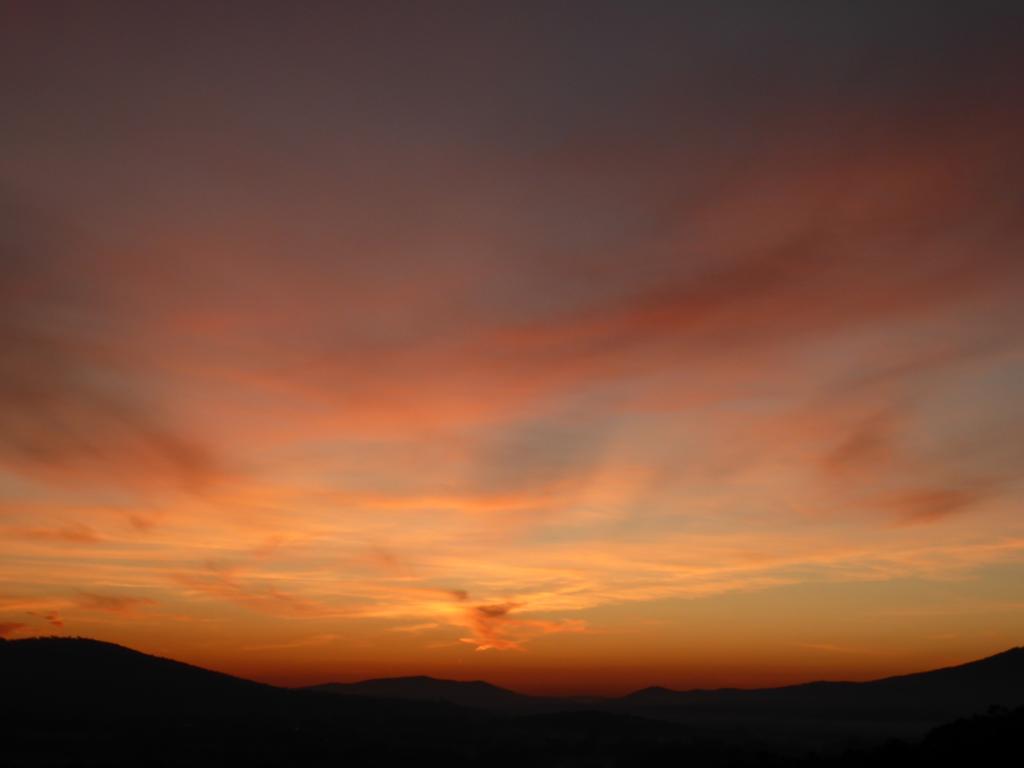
(113, 603)
(52, 618)
(73, 533)
(9, 628)
(257, 596)
(493, 628)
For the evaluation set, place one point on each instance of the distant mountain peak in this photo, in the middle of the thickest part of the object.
(471, 693)
(655, 689)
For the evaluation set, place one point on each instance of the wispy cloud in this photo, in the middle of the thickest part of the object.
(571, 343)
(123, 604)
(301, 642)
(8, 628)
(52, 618)
(259, 596)
(493, 627)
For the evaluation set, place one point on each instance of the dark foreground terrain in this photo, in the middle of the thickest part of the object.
(77, 702)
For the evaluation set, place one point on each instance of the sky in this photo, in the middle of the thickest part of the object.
(577, 347)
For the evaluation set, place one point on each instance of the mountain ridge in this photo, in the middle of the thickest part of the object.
(1011, 659)
(914, 700)
(1015, 652)
(82, 696)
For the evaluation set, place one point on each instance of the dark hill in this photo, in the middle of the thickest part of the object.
(926, 698)
(474, 693)
(64, 673)
(75, 702)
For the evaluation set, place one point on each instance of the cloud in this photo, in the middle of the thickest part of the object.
(9, 628)
(416, 628)
(254, 595)
(493, 628)
(868, 444)
(71, 404)
(112, 603)
(65, 411)
(813, 244)
(310, 641)
(71, 533)
(630, 332)
(52, 618)
(929, 505)
(832, 648)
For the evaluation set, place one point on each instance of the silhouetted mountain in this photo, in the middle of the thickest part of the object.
(818, 715)
(925, 697)
(75, 702)
(474, 693)
(63, 672)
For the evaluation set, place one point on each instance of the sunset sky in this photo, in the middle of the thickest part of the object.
(577, 347)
